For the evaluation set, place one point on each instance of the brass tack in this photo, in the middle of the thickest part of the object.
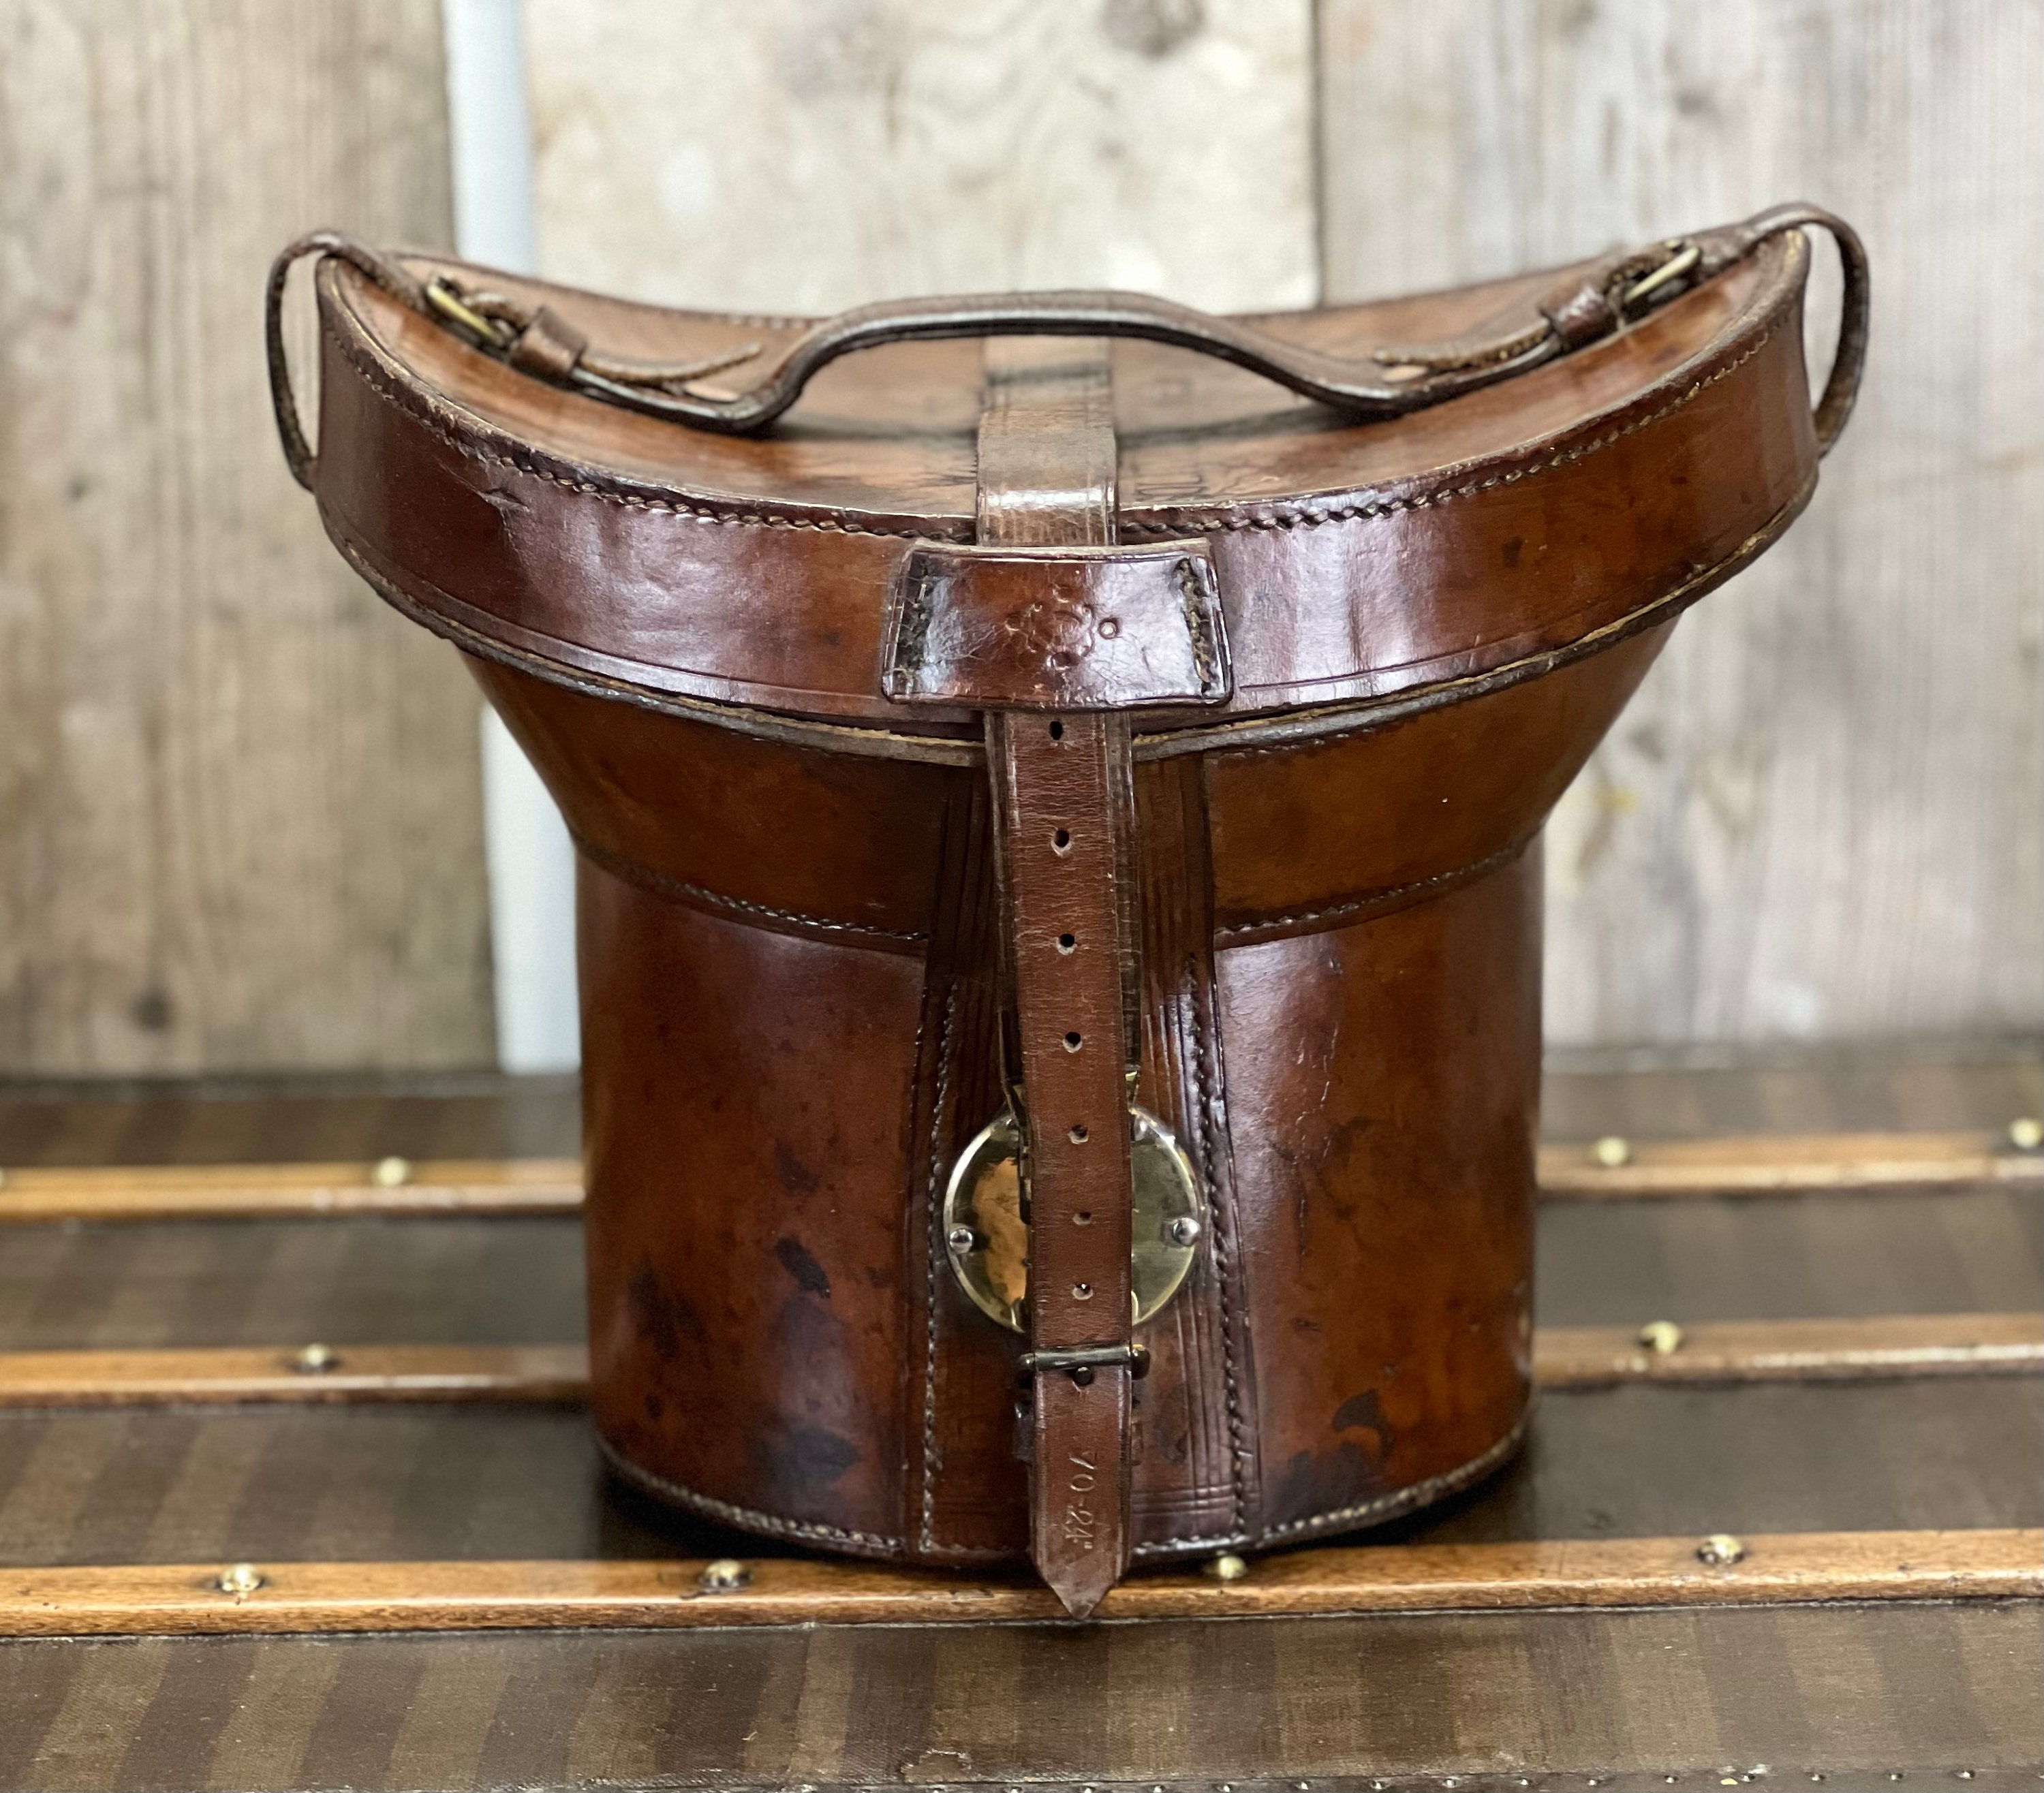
(959, 1239)
(2026, 1133)
(239, 1579)
(1185, 1230)
(1720, 1550)
(1227, 1567)
(1611, 1151)
(391, 1173)
(1662, 1338)
(316, 1360)
(725, 1575)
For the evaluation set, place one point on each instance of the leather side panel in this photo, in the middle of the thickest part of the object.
(748, 1101)
(1307, 835)
(765, 830)
(1383, 1083)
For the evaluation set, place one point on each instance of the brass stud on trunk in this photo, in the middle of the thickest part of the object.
(240, 1579)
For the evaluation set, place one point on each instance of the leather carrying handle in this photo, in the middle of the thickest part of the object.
(1386, 382)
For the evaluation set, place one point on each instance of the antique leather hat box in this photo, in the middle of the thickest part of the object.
(1058, 782)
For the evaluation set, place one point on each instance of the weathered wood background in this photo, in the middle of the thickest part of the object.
(238, 812)
(239, 822)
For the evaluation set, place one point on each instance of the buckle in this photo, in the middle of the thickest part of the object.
(1082, 1360)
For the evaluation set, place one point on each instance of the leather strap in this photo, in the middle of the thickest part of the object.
(1063, 817)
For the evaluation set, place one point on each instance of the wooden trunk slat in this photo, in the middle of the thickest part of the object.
(1763, 1165)
(1495, 1701)
(430, 1481)
(481, 1187)
(1768, 1165)
(362, 1373)
(1896, 1345)
(392, 1596)
(463, 1280)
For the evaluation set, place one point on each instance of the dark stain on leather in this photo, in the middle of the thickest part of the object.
(1323, 1484)
(1511, 551)
(797, 1459)
(796, 1178)
(664, 1318)
(1360, 1412)
(808, 1274)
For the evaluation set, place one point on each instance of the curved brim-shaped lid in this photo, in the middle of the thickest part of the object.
(1358, 562)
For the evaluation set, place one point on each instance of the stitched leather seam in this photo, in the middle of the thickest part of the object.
(1177, 523)
(1334, 911)
(927, 1537)
(746, 1517)
(1236, 1449)
(379, 381)
(1171, 523)
(666, 885)
(1419, 1494)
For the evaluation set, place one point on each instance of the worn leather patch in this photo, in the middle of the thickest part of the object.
(1069, 628)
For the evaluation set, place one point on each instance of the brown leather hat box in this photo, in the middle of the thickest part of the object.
(1058, 781)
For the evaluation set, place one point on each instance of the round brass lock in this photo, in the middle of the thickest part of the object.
(987, 1239)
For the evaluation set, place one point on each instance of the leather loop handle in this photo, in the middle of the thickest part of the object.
(1722, 247)
(392, 275)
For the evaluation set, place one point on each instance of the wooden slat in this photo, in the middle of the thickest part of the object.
(1786, 1569)
(1896, 1344)
(1773, 1164)
(358, 1373)
(240, 811)
(1909, 1345)
(1762, 1164)
(1818, 816)
(254, 1191)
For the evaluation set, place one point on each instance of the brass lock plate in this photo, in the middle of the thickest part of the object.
(987, 1239)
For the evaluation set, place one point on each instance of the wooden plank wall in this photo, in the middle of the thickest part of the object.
(240, 825)
(807, 154)
(239, 822)
(1819, 817)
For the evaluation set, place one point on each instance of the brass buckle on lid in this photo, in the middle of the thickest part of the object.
(986, 1228)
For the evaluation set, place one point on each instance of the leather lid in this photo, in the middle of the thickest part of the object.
(1356, 562)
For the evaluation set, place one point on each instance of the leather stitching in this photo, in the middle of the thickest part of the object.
(746, 1517)
(1223, 1264)
(927, 1537)
(379, 381)
(1405, 1499)
(1165, 525)
(1178, 522)
(664, 884)
(1475, 868)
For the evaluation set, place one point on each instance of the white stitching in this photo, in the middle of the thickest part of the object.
(1177, 522)
(1203, 1091)
(744, 1517)
(927, 1538)
(663, 884)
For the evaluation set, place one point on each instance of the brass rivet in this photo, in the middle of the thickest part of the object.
(1082, 1292)
(1720, 1550)
(1227, 1567)
(1611, 1151)
(959, 1239)
(724, 1575)
(2026, 1133)
(1663, 1337)
(1185, 1230)
(239, 1578)
(391, 1173)
(316, 1360)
